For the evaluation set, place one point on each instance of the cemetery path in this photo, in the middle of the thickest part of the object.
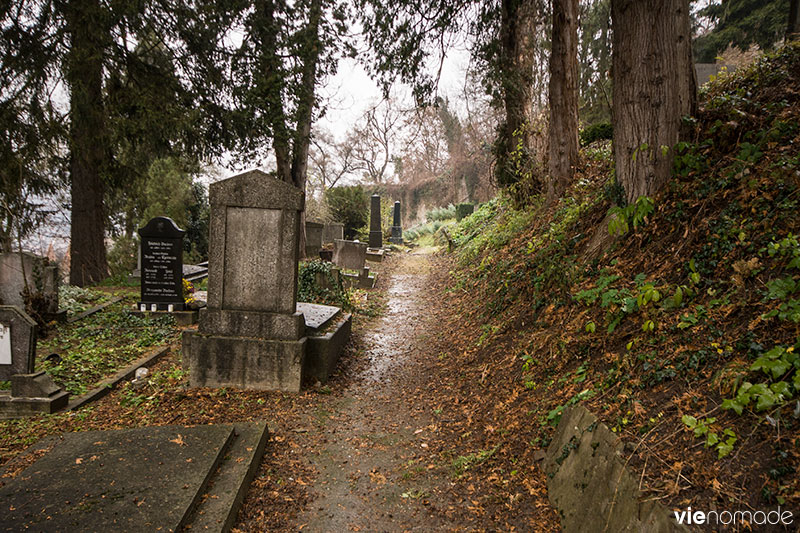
(376, 468)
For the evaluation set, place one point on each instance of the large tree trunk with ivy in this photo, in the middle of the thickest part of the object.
(563, 126)
(654, 86)
(88, 147)
(517, 41)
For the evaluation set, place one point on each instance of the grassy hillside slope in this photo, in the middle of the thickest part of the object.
(682, 332)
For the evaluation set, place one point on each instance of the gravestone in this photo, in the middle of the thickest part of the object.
(331, 232)
(397, 229)
(31, 393)
(587, 477)
(165, 478)
(313, 238)
(250, 334)
(705, 71)
(375, 232)
(21, 269)
(349, 254)
(136, 275)
(464, 210)
(161, 266)
(17, 342)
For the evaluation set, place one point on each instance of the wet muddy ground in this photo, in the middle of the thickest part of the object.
(374, 456)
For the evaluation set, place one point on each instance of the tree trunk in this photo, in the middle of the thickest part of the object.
(305, 109)
(307, 97)
(266, 30)
(654, 86)
(517, 40)
(563, 126)
(793, 28)
(89, 142)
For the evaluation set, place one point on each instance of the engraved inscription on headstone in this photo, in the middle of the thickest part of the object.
(162, 265)
(5, 344)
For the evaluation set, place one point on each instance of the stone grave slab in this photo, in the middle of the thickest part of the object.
(327, 331)
(143, 479)
(586, 477)
(317, 315)
(375, 255)
(195, 272)
(32, 394)
(228, 486)
(17, 342)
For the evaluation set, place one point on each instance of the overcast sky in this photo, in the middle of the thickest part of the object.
(351, 92)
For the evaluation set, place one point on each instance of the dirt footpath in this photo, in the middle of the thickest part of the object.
(399, 439)
(374, 460)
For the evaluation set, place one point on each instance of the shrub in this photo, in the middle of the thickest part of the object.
(348, 205)
(596, 132)
(327, 290)
(441, 213)
(464, 210)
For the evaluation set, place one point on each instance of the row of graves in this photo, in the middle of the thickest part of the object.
(26, 281)
(351, 257)
(252, 334)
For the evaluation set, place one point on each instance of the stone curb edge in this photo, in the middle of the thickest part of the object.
(94, 310)
(107, 385)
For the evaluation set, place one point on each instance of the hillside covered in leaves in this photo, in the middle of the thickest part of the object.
(676, 319)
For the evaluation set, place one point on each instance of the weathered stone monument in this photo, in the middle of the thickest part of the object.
(352, 255)
(161, 266)
(331, 232)
(17, 342)
(375, 232)
(250, 335)
(397, 227)
(349, 254)
(314, 232)
(19, 270)
(31, 392)
(587, 476)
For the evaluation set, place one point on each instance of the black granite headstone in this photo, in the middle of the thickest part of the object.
(375, 232)
(162, 266)
(397, 228)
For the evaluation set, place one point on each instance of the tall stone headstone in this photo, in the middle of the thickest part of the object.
(375, 232)
(161, 266)
(332, 231)
(397, 226)
(250, 335)
(313, 239)
(17, 342)
(19, 270)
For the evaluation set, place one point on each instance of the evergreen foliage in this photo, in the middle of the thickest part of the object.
(348, 205)
(741, 23)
